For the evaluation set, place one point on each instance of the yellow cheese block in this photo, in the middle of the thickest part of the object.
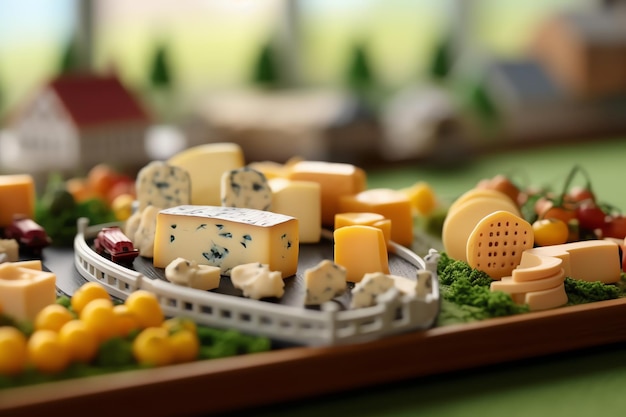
(30, 264)
(364, 219)
(25, 290)
(361, 250)
(335, 179)
(302, 200)
(459, 224)
(587, 260)
(496, 244)
(17, 196)
(533, 267)
(509, 285)
(11, 249)
(393, 204)
(546, 299)
(205, 165)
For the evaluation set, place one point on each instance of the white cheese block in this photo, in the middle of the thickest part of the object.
(533, 267)
(546, 299)
(246, 188)
(205, 165)
(143, 237)
(257, 281)
(162, 185)
(324, 282)
(372, 285)
(587, 260)
(227, 237)
(302, 200)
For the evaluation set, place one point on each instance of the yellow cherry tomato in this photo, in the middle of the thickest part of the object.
(80, 342)
(13, 352)
(86, 293)
(46, 353)
(550, 232)
(185, 345)
(153, 347)
(126, 321)
(99, 317)
(122, 206)
(422, 197)
(146, 308)
(179, 323)
(52, 317)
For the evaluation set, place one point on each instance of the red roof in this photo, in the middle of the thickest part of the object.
(92, 100)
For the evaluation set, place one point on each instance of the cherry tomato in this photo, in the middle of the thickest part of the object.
(578, 194)
(550, 232)
(559, 212)
(615, 227)
(590, 216)
(503, 184)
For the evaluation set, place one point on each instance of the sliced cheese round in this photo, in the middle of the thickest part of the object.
(546, 299)
(478, 193)
(508, 285)
(535, 267)
(497, 242)
(458, 225)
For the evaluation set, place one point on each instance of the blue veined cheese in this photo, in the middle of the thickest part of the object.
(372, 285)
(257, 281)
(324, 282)
(246, 188)
(162, 185)
(227, 237)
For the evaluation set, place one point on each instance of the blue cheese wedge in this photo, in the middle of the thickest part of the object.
(324, 282)
(162, 185)
(246, 188)
(227, 237)
(371, 286)
(189, 274)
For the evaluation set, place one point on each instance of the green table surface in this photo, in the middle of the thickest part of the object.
(590, 382)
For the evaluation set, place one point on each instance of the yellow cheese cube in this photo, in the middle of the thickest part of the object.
(24, 291)
(17, 196)
(302, 200)
(361, 250)
(335, 179)
(392, 204)
(11, 249)
(365, 219)
(205, 165)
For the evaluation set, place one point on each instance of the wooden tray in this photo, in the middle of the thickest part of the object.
(294, 373)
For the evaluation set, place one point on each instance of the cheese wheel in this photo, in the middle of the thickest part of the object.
(496, 244)
(477, 193)
(458, 225)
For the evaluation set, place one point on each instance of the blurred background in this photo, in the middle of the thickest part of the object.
(370, 82)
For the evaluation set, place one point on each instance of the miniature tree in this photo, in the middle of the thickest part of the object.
(442, 59)
(160, 72)
(69, 59)
(265, 72)
(359, 76)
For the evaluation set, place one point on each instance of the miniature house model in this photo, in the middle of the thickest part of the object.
(77, 121)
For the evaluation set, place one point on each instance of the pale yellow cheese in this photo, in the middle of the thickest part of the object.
(364, 219)
(393, 204)
(459, 224)
(25, 290)
(361, 250)
(546, 299)
(335, 179)
(587, 260)
(496, 244)
(478, 193)
(533, 267)
(509, 285)
(302, 200)
(205, 165)
(17, 196)
(11, 249)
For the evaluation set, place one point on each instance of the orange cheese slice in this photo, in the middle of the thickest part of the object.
(534, 267)
(587, 260)
(459, 224)
(364, 219)
(17, 196)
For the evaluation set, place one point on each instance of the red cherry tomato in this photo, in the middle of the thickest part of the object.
(578, 194)
(590, 216)
(615, 227)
